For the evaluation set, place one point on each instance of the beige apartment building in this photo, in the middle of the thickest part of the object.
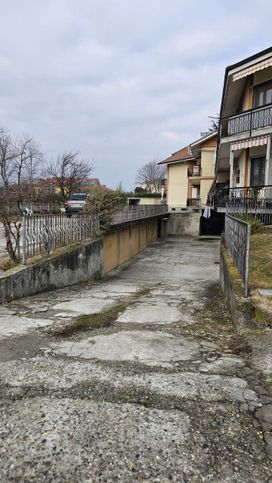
(190, 174)
(244, 160)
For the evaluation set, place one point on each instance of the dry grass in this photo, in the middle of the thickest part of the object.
(261, 259)
(90, 321)
(100, 319)
(239, 345)
(6, 264)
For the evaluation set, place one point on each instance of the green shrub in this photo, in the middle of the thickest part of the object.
(255, 223)
(105, 204)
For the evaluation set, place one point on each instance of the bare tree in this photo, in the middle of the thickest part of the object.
(69, 172)
(214, 123)
(18, 157)
(30, 151)
(27, 166)
(151, 176)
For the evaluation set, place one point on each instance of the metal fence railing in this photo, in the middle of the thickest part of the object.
(237, 239)
(34, 207)
(132, 213)
(44, 233)
(41, 234)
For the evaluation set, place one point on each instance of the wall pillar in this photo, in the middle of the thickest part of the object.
(246, 174)
(268, 161)
(231, 167)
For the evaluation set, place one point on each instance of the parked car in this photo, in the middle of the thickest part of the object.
(75, 203)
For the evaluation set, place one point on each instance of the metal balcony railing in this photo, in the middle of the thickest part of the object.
(194, 202)
(254, 201)
(247, 121)
(194, 171)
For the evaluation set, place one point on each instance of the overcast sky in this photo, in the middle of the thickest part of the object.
(121, 81)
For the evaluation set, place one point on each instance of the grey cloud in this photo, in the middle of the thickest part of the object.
(120, 81)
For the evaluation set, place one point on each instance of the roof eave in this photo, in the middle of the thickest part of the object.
(204, 138)
(185, 160)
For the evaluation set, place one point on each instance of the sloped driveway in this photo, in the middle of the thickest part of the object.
(140, 377)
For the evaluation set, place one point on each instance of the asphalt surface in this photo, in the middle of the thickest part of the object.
(138, 378)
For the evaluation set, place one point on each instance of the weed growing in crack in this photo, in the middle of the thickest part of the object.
(99, 319)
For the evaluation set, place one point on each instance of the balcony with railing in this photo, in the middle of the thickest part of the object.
(194, 171)
(251, 200)
(254, 201)
(194, 202)
(247, 121)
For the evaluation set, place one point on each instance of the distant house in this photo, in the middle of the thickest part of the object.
(145, 199)
(45, 187)
(49, 186)
(90, 184)
(244, 159)
(190, 173)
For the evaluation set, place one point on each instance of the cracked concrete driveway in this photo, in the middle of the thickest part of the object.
(140, 377)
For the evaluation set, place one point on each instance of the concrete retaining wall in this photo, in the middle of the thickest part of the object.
(125, 242)
(88, 261)
(123, 246)
(110, 252)
(142, 236)
(78, 265)
(184, 223)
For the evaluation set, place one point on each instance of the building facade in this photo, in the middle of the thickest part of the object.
(190, 174)
(244, 157)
